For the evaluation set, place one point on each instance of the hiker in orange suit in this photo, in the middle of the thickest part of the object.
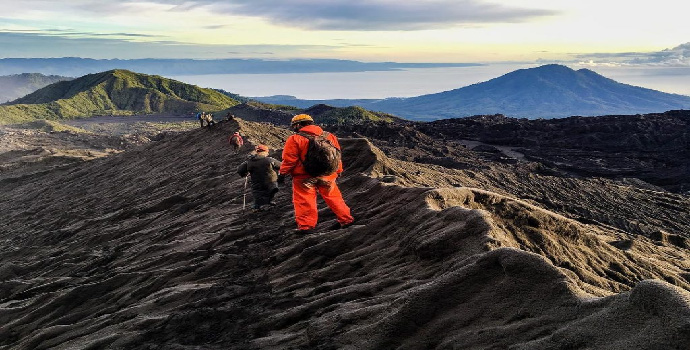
(304, 185)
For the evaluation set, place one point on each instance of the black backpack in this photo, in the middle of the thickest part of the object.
(322, 158)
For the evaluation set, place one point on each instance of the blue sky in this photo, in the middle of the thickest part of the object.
(603, 32)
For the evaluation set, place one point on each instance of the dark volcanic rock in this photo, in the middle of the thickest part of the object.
(652, 147)
(151, 249)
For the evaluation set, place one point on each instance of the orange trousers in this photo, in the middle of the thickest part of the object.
(304, 199)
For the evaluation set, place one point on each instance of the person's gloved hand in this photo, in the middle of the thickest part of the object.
(281, 178)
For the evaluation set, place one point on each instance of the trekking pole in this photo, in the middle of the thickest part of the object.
(244, 193)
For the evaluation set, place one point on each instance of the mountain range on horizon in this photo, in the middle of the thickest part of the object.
(125, 93)
(17, 85)
(548, 91)
(77, 66)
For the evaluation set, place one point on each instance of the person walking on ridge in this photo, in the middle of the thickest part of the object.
(199, 116)
(263, 171)
(306, 185)
(236, 141)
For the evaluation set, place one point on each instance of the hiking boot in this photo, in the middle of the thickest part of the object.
(348, 224)
(338, 226)
(303, 231)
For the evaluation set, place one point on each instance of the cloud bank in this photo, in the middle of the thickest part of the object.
(33, 44)
(361, 15)
(366, 15)
(24, 34)
(678, 56)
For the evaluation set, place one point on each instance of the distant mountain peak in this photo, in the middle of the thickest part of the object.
(552, 67)
(116, 92)
(550, 91)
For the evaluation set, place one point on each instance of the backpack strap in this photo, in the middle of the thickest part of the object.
(305, 135)
(308, 137)
(312, 136)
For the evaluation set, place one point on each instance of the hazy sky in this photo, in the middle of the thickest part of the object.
(600, 31)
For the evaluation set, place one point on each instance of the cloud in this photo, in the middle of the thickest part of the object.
(347, 15)
(71, 33)
(18, 44)
(678, 56)
(12, 9)
(215, 26)
(369, 15)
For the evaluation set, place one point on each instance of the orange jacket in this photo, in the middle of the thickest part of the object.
(296, 149)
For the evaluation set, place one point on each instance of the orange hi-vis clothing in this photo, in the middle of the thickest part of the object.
(295, 151)
(304, 187)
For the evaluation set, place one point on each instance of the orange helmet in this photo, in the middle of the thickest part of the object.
(262, 148)
(301, 118)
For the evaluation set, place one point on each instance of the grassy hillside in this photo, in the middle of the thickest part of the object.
(116, 92)
(53, 126)
(324, 114)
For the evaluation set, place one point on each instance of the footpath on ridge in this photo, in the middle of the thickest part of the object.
(150, 248)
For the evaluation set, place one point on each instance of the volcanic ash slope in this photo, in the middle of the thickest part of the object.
(150, 249)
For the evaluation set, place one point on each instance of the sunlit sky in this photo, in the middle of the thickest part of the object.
(600, 31)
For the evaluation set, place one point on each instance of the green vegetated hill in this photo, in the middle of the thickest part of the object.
(17, 85)
(325, 114)
(53, 126)
(322, 114)
(115, 92)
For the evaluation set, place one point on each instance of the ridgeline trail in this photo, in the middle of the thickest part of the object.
(150, 249)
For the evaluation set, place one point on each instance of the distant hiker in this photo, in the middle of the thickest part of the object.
(312, 158)
(230, 117)
(208, 117)
(198, 117)
(263, 171)
(236, 141)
